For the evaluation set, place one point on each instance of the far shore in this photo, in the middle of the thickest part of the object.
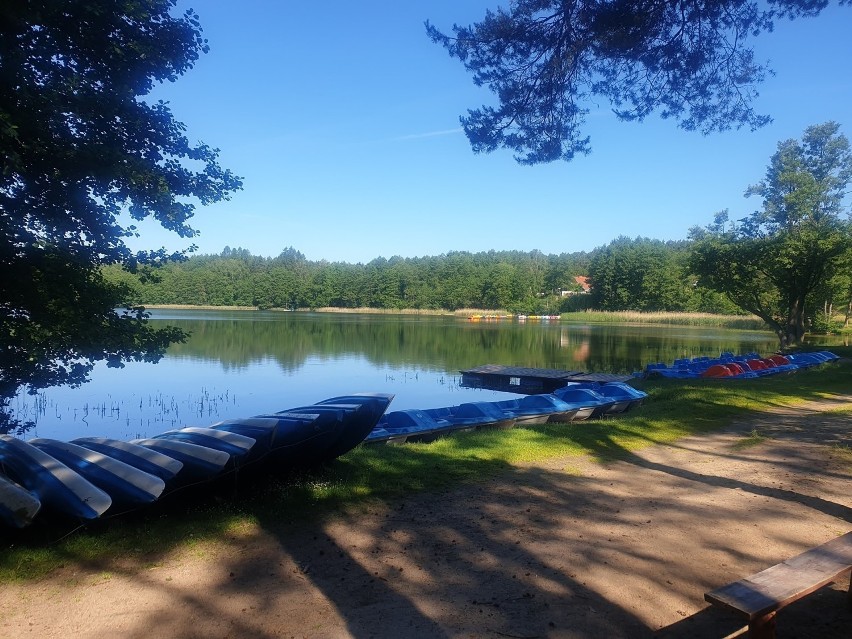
(738, 322)
(464, 312)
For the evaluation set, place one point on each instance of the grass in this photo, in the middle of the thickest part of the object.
(675, 408)
(752, 439)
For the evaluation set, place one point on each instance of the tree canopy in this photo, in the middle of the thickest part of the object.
(523, 282)
(546, 61)
(628, 274)
(81, 147)
(770, 262)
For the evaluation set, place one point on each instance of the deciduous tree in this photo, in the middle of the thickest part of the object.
(771, 261)
(640, 274)
(81, 146)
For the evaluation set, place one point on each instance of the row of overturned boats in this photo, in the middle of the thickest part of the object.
(95, 477)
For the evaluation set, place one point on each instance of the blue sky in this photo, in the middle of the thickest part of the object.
(342, 118)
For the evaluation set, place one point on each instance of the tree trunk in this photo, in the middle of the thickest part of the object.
(779, 329)
(795, 327)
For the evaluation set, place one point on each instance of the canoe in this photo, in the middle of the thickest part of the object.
(55, 485)
(340, 421)
(306, 433)
(355, 430)
(124, 483)
(302, 436)
(261, 429)
(236, 445)
(145, 459)
(200, 463)
(377, 403)
(18, 506)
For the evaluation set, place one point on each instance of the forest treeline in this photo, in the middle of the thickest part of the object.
(628, 274)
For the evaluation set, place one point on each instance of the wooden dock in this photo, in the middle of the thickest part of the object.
(529, 381)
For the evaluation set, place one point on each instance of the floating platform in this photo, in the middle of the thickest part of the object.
(529, 381)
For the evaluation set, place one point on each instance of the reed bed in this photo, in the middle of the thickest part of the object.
(460, 312)
(468, 312)
(739, 322)
(379, 311)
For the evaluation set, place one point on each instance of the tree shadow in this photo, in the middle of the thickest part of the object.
(535, 552)
(821, 615)
(531, 552)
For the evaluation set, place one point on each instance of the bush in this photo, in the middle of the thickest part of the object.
(823, 323)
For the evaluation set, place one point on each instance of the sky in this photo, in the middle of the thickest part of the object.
(342, 118)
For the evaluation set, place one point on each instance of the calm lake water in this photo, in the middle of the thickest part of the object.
(239, 363)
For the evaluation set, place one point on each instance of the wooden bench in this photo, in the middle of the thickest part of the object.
(760, 596)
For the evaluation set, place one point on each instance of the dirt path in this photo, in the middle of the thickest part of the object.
(565, 549)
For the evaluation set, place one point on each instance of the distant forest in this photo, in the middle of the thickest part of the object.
(628, 274)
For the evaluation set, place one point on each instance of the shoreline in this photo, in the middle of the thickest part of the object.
(662, 318)
(464, 312)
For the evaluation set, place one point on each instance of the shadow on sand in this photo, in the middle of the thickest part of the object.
(625, 549)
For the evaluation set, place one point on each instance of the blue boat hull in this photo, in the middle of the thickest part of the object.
(538, 409)
(591, 403)
(355, 430)
(124, 484)
(408, 426)
(55, 485)
(199, 462)
(237, 446)
(145, 459)
(18, 506)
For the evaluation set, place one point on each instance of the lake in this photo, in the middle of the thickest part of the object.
(243, 363)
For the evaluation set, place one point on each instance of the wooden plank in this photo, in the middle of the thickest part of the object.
(779, 585)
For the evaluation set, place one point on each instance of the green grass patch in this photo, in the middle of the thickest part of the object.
(752, 439)
(674, 409)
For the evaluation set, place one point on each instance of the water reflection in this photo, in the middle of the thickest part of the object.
(244, 363)
(443, 343)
